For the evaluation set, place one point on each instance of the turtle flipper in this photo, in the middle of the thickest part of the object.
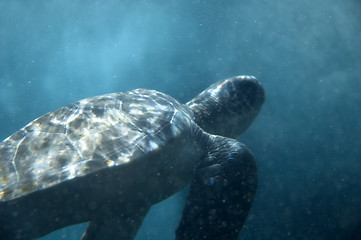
(221, 193)
(122, 226)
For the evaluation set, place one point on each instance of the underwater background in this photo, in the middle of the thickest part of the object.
(306, 53)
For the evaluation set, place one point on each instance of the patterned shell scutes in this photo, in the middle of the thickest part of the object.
(89, 135)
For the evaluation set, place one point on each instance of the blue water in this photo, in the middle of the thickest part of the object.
(306, 53)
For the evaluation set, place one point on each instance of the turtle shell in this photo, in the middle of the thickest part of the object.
(92, 134)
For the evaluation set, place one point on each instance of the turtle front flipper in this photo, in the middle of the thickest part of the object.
(221, 193)
(111, 224)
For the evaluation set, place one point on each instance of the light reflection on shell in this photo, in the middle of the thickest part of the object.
(89, 135)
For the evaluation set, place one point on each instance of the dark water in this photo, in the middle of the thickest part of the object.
(307, 54)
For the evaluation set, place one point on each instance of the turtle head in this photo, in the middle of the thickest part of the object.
(229, 106)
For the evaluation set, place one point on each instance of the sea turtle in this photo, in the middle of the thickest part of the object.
(107, 159)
